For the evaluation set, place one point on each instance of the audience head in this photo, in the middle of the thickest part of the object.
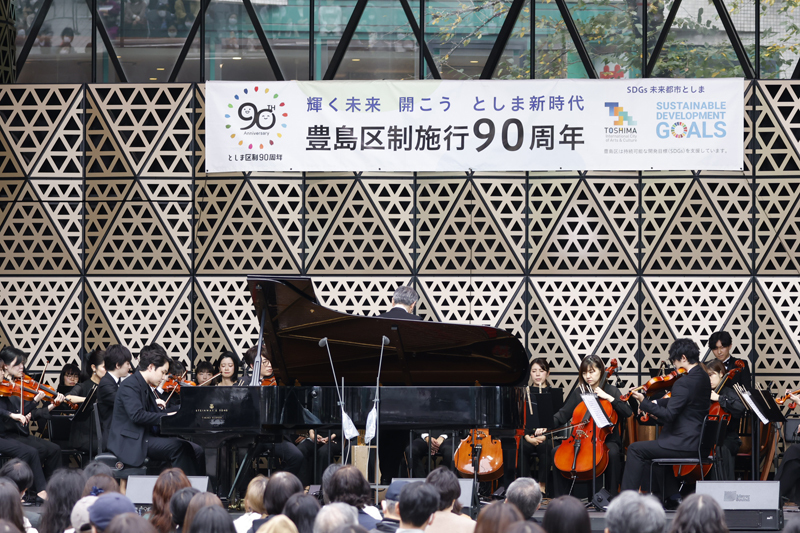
(228, 365)
(168, 483)
(279, 489)
(213, 519)
(682, 347)
(79, 517)
(19, 472)
(326, 481)
(99, 484)
(130, 523)
(94, 363)
(418, 501)
(391, 499)
(106, 507)
(352, 529)
(96, 467)
(566, 514)
(699, 513)
(631, 512)
(446, 482)
(302, 509)
(63, 492)
(179, 503)
(8, 527)
(793, 526)
(525, 527)
(199, 501)
(254, 499)
(117, 360)
(497, 517)
(333, 516)
(349, 486)
(524, 492)
(11, 504)
(278, 524)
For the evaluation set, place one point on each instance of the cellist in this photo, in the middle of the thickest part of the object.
(730, 402)
(682, 416)
(593, 377)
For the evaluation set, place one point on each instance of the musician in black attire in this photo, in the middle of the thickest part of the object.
(788, 472)
(82, 432)
(730, 402)
(593, 377)
(682, 416)
(534, 447)
(135, 431)
(117, 364)
(44, 457)
(720, 344)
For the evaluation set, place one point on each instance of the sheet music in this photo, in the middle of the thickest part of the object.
(746, 397)
(593, 406)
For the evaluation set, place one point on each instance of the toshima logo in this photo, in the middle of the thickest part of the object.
(255, 114)
(679, 130)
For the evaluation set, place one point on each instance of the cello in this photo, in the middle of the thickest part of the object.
(488, 451)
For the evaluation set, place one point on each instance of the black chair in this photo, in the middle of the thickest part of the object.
(120, 470)
(710, 436)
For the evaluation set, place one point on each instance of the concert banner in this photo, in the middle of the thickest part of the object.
(486, 125)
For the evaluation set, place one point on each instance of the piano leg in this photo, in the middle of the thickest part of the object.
(244, 467)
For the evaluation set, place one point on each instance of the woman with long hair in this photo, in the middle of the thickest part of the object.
(82, 431)
(302, 510)
(198, 502)
(228, 369)
(168, 483)
(213, 519)
(11, 505)
(592, 378)
(497, 517)
(536, 448)
(64, 490)
(566, 514)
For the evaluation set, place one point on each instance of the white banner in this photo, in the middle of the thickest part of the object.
(650, 124)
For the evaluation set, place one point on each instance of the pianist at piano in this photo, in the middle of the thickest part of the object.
(135, 434)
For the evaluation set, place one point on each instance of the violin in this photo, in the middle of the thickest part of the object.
(656, 384)
(49, 393)
(8, 388)
(488, 451)
(173, 384)
(269, 381)
(783, 399)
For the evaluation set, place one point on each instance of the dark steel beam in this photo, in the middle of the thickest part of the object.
(32, 34)
(347, 36)
(187, 45)
(576, 39)
(273, 61)
(502, 39)
(662, 37)
(112, 53)
(420, 41)
(311, 35)
(736, 41)
(644, 38)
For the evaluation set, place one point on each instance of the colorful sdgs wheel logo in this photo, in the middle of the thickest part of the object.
(679, 130)
(258, 113)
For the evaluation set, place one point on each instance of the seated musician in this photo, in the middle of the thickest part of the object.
(134, 434)
(69, 377)
(721, 345)
(44, 457)
(788, 472)
(417, 452)
(593, 377)
(204, 374)
(117, 364)
(682, 416)
(82, 431)
(534, 447)
(228, 365)
(730, 402)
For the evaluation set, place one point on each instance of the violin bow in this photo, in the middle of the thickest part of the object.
(176, 388)
(209, 380)
(46, 364)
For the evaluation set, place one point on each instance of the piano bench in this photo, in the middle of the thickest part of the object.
(120, 470)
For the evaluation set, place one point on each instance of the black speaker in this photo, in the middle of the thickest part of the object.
(499, 494)
(601, 500)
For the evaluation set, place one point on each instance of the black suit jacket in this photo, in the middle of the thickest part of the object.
(135, 413)
(106, 394)
(742, 377)
(9, 405)
(399, 312)
(683, 413)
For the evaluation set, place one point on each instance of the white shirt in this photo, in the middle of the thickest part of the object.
(245, 522)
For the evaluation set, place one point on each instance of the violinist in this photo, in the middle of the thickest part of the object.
(203, 373)
(44, 457)
(534, 447)
(593, 377)
(69, 377)
(729, 402)
(117, 363)
(266, 376)
(788, 472)
(720, 344)
(682, 416)
(86, 391)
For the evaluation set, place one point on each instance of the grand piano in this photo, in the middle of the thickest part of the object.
(433, 375)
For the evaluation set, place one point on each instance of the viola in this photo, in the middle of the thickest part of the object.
(479, 443)
(656, 384)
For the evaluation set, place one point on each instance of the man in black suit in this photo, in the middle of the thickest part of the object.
(403, 301)
(135, 432)
(682, 416)
(720, 344)
(118, 365)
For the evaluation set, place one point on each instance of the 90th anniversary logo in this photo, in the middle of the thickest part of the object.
(257, 113)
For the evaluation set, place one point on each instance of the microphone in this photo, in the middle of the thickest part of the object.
(323, 342)
(384, 340)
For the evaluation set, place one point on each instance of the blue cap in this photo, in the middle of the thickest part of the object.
(107, 506)
(393, 492)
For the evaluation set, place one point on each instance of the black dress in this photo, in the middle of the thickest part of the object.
(82, 431)
(537, 454)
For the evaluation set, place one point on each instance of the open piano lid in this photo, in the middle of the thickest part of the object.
(419, 352)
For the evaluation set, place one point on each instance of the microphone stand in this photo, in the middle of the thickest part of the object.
(377, 402)
(255, 379)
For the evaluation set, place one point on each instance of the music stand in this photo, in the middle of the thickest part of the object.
(762, 406)
(599, 421)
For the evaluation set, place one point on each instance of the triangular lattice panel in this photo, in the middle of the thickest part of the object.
(213, 200)
(656, 335)
(732, 197)
(99, 333)
(63, 200)
(9, 166)
(324, 199)
(283, 200)
(103, 200)
(104, 158)
(176, 335)
(619, 199)
(357, 295)
(660, 200)
(544, 340)
(738, 325)
(784, 98)
(229, 299)
(782, 255)
(63, 342)
(474, 300)
(172, 200)
(394, 200)
(505, 199)
(775, 154)
(209, 338)
(62, 156)
(435, 199)
(172, 157)
(774, 349)
(782, 294)
(621, 340)
(547, 198)
(9, 189)
(775, 198)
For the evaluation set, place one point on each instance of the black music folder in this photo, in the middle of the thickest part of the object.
(544, 406)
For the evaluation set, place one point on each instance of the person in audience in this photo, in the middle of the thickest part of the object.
(326, 481)
(198, 501)
(96, 467)
(20, 473)
(117, 363)
(333, 516)
(281, 524)
(448, 519)
(631, 512)
(525, 527)
(418, 502)
(698, 513)
(346, 529)
(159, 18)
(566, 514)
(228, 365)
(302, 509)
(178, 505)
(348, 485)
(212, 519)
(130, 523)
(82, 432)
(106, 507)
(11, 505)
(8, 527)
(203, 373)
(526, 494)
(253, 504)
(68, 379)
(168, 483)
(793, 526)
(280, 487)
(391, 514)
(79, 517)
(63, 492)
(100, 484)
(136, 18)
(497, 517)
